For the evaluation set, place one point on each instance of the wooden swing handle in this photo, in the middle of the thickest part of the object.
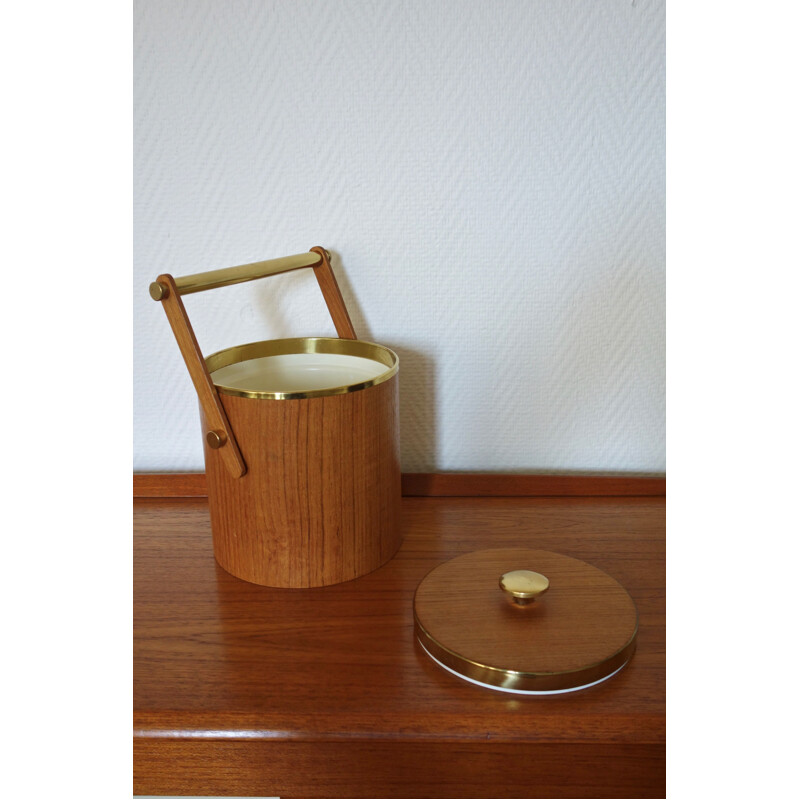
(317, 257)
(168, 290)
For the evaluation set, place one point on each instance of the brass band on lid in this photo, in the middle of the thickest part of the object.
(277, 347)
(518, 681)
(580, 633)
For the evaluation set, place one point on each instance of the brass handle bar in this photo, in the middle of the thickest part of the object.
(168, 290)
(213, 279)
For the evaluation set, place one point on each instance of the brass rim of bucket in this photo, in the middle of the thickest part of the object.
(282, 347)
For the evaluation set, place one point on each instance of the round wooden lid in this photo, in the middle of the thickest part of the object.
(525, 621)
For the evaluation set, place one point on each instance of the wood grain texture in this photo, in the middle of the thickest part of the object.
(245, 689)
(454, 484)
(419, 484)
(320, 501)
(333, 296)
(169, 484)
(213, 411)
(372, 769)
(578, 632)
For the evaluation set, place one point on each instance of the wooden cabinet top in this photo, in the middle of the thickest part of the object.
(220, 660)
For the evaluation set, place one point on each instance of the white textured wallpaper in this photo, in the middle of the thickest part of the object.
(489, 176)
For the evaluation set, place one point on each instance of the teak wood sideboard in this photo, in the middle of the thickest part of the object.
(245, 690)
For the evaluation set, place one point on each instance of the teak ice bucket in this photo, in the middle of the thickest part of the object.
(301, 440)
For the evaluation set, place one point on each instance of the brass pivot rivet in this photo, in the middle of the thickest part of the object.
(523, 586)
(216, 439)
(158, 291)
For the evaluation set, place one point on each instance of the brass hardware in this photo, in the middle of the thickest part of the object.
(517, 681)
(277, 347)
(215, 278)
(158, 291)
(170, 289)
(216, 439)
(523, 586)
(563, 643)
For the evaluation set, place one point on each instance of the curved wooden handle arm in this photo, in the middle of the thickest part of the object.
(168, 291)
(333, 297)
(220, 434)
(317, 257)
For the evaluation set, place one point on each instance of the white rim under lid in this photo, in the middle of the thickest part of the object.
(305, 368)
(298, 372)
(520, 691)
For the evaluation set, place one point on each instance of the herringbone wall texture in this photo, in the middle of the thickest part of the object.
(489, 175)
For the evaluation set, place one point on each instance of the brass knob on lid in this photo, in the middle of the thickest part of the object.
(523, 586)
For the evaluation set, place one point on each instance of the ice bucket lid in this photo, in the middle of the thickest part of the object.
(286, 369)
(525, 621)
